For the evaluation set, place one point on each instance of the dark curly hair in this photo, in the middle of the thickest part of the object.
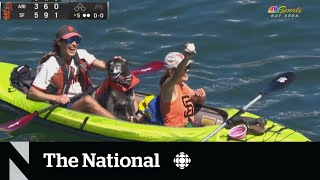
(55, 51)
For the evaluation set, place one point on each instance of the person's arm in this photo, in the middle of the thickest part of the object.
(102, 65)
(37, 95)
(168, 92)
(94, 62)
(99, 64)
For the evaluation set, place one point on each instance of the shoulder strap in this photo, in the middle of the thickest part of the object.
(67, 74)
(45, 57)
(76, 59)
(83, 76)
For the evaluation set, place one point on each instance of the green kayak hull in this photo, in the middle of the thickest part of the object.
(122, 130)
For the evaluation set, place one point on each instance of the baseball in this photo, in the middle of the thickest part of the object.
(191, 48)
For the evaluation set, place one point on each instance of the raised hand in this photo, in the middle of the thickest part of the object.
(119, 57)
(190, 48)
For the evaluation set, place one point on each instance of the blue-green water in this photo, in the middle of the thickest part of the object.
(240, 48)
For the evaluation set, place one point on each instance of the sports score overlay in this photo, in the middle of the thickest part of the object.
(54, 9)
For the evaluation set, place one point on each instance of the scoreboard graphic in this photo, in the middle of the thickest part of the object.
(54, 9)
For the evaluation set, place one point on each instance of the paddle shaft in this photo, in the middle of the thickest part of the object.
(253, 101)
(236, 114)
(73, 98)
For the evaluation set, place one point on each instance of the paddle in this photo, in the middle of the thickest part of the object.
(149, 67)
(279, 82)
(21, 122)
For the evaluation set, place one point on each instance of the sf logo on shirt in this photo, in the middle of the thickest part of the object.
(189, 109)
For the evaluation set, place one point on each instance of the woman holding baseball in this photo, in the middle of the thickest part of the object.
(177, 99)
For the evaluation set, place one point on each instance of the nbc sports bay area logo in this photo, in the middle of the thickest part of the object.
(284, 12)
(182, 160)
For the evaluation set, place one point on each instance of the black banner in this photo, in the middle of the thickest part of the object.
(136, 159)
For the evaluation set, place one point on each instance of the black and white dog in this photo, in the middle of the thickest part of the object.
(116, 92)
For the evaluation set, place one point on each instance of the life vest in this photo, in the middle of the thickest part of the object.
(108, 83)
(61, 81)
(149, 107)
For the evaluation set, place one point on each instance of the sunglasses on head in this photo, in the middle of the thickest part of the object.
(74, 38)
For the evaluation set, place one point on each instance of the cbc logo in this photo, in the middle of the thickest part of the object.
(182, 160)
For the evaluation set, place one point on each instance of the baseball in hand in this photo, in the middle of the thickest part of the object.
(191, 48)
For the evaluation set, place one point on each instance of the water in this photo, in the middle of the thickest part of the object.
(240, 48)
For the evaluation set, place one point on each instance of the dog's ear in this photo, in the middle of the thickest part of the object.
(126, 62)
(123, 61)
(109, 64)
(125, 68)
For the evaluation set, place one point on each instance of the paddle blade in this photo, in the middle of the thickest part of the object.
(17, 123)
(149, 68)
(280, 82)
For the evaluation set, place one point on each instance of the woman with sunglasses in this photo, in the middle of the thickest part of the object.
(63, 73)
(176, 97)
